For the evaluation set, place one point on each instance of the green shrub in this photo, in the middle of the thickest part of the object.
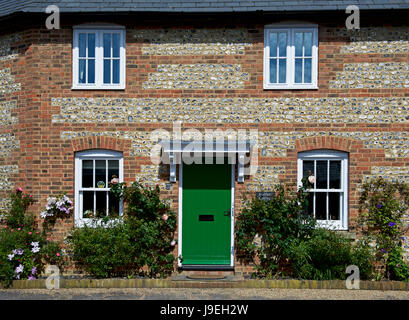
(24, 250)
(326, 255)
(383, 205)
(102, 250)
(278, 224)
(143, 238)
(397, 268)
(281, 240)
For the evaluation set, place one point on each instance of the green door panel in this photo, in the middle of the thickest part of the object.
(206, 224)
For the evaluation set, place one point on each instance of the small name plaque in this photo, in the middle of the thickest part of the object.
(265, 196)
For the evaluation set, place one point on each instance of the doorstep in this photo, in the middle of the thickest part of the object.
(195, 283)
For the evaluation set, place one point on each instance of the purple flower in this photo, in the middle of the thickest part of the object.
(20, 252)
(34, 270)
(35, 249)
(20, 269)
(392, 224)
(31, 277)
(383, 250)
(379, 205)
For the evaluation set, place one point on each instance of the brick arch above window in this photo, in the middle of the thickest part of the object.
(329, 143)
(101, 142)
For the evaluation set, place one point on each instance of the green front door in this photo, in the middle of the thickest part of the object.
(206, 218)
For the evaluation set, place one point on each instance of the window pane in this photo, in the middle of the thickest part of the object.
(307, 70)
(113, 206)
(87, 172)
(113, 169)
(335, 175)
(310, 210)
(100, 174)
(334, 205)
(82, 44)
(88, 204)
(107, 71)
(321, 205)
(91, 45)
(298, 44)
(107, 45)
(307, 168)
(101, 204)
(81, 71)
(322, 172)
(115, 45)
(282, 44)
(273, 44)
(282, 68)
(298, 70)
(273, 70)
(115, 71)
(91, 71)
(308, 44)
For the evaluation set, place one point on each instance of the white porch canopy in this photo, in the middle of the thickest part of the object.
(177, 151)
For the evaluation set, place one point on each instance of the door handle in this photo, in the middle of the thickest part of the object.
(227, 213)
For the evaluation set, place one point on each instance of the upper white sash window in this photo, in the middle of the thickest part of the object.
(99, 57)
(291, 57)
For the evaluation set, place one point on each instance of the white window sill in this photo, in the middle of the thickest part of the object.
(78, 87)
(92, 223)
(331, 225)
(290, 87)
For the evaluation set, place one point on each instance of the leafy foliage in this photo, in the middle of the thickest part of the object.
(24, 249)
(142, 243)
(265, 229)
(383, 205)
(282, 240)
(326, 255)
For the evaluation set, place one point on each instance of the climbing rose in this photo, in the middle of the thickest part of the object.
(311, 179)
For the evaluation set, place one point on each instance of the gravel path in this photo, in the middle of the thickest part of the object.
(201, 294)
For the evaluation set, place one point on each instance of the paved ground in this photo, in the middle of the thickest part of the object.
(200, 294)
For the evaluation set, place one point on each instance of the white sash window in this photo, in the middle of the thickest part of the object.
(291, 57)
(99, 58)
(328, 196)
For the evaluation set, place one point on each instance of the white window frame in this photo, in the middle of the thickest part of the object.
(94, 154)
(99, 58)
(291, 29)
(341, 224)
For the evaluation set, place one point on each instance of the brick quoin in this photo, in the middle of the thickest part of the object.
(43, 129)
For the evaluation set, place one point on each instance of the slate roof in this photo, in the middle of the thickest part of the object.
(11, 6)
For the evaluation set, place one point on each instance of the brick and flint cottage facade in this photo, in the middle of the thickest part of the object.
(122, 83)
